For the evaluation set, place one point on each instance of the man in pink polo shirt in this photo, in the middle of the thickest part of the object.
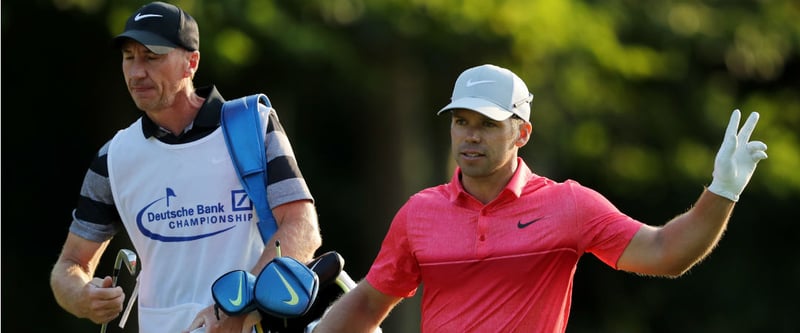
(497, 247)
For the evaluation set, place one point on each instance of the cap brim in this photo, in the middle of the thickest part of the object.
(479, 105)
(151, 41)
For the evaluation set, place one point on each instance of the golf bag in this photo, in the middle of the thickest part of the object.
(312, 287)
(287, 294)
(333, 282)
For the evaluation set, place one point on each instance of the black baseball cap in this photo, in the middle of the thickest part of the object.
(161, 27)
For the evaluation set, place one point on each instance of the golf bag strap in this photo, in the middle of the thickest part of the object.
(244, 137)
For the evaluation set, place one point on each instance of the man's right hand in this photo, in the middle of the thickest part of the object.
(100, 302)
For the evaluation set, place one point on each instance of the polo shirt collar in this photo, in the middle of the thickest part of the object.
(207, 117)
(515, 186)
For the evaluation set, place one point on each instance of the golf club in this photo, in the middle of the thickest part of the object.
(128, 308)
(127, 257)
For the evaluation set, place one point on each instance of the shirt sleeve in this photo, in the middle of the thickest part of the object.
(606, 231)
(95, 218)
(285, 182)
(395, 270)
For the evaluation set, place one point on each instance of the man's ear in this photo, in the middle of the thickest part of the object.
(525, 130)
(194, 62)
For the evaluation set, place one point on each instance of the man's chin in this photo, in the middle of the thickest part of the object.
(471, 169)
(145, 104)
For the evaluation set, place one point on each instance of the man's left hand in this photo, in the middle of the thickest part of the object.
(737, 158)
(237, 324)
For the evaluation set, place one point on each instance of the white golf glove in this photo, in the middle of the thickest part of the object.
(737, 158)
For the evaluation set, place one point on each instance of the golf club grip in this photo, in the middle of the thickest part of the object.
(113, 284)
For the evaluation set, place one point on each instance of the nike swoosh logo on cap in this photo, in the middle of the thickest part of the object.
(471, 83)
(143, 16)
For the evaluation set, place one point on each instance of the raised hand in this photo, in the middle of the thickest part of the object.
(737, 158)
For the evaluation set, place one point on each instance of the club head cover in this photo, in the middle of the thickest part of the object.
(233, 292)
(286, 288)
(327, 266)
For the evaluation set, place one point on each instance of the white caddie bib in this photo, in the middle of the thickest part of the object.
(188, 218)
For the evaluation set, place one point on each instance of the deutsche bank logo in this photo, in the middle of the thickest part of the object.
(240, 201)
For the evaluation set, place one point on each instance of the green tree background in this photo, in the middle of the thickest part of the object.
(631, 99)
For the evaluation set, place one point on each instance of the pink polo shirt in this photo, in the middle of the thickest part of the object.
(507, 266)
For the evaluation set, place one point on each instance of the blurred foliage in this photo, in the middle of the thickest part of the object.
(631, 98)
(673, 68)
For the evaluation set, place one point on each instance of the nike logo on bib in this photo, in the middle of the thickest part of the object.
(523, 225)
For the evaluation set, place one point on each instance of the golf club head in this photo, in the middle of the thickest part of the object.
(327, 266)
(333, 283)
(233, 292)
(129, 259)
(286, 288)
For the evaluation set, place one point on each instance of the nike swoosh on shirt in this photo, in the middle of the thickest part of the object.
(523, 225)
(143, 16)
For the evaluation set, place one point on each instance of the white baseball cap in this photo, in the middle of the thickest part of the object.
(493, 91)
